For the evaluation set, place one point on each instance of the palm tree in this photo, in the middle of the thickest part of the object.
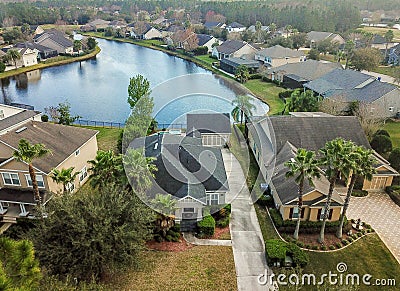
(243, 106)
(242, 74)
(336, 159)
(348, 50)
(388, 37)
(13, 55)
(27, 153)
(106, 168)
(139, 169)
(362, 166)
(64, 177)
(305, 166)
(165, 206)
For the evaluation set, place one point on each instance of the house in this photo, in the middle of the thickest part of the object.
(309, 131)
(208, 40)
(56, 40)
(315, 37)
(192, 173)
(350, 85)
(232, 48)
(115, 24)
(230, 65)
(29, 57)
(210, 25)
(235, 27)
(70, 146)
(98, 24)
(12, 117)
(252, 28)
(214, 129)
(43, 51)
(295, 75)
(379, 42)
(278, 55)
(145, 32)
(394, 55)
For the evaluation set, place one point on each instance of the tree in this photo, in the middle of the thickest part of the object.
(77, 45)
(305, 167)
(165, 206)
(243, 107)
(313, 54)
(2, 67)
(299, 40)
(19, 269)
(242, 73)
(336, 159)
(91, 43)
(106, 168)
(396, 75)
(381, 143)
(87, 235)
(388, 37)
(138, 87)
(394, 159)
(361, 165)
(365, 59)
(64, 177)
(64, 114)
(370, 119)
(324, 46)
(27, 153)
(13, 55)
(190, 42)
(302, 101)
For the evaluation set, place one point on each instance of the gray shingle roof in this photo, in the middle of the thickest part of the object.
(208, 123)
(236, 25)
(279, 52)
(212, 24)
(203, 39)
(33, 45)
(17, 118)
(378, 39)
(62, 140)
(235, 62)
(230, 46)
(306, 71)
(56, 36)
(317, 36)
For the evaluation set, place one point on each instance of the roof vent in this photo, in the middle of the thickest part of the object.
(156, 145)
(20, 129)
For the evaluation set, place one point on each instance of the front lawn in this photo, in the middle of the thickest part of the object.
(206, 59)
(267, 92)
(107, 137)
(198, 268)
(393, 128)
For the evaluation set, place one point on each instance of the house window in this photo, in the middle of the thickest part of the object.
(39, 179)
(70, 187)
(188, 210)
(213, 199)
(83, 174)
(77, 152)
(391, 108)
(295, 212)
(321, 212)
(11, 179)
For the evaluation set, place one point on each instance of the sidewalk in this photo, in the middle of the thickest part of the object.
(247, 240)
(190, 238)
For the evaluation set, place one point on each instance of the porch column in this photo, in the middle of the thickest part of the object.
(22, 208)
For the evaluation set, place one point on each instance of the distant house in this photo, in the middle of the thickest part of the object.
(192, 173)
(214, 24)
(295, 75)
(1, 40)
(349, 85)
(117, 24)
(43, 52)
(208, 40)
(71, 147)
(56, 40)
(98, 24)
(230, 65)
(29, 57)
(309, 131)
(379, 42)
(394, 55)
(146, 32)
(317, 36)
(213, 128)
(233, 48)
(235, 27)
(252, 28)
(277, 56)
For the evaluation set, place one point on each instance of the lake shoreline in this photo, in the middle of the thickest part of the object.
(22, 70)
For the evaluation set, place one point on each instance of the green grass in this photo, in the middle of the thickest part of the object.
(393, 128)
(57, 61)
(107, 137)
(206, 59)
(267, 92)
(368, 255)
(381, 31)
(198, 268)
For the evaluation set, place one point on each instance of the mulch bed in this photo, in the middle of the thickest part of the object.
(167, 246)
(220, 231)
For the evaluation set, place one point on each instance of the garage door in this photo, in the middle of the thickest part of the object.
(213, 140)
(378, 183)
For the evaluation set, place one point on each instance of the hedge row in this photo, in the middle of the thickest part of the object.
(206, 226)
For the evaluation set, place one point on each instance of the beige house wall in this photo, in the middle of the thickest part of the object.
(153, 33)
(245, 50)
(388, 105)
(284, 61)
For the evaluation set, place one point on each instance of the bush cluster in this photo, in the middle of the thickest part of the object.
(277, 250)
(206, 227)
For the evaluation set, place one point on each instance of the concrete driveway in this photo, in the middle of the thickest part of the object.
(378, 210)
(247, 240)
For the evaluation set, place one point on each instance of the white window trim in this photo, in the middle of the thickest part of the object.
(12, 184)
(77, 152)
(28, 177)
(209, 198)
(69, 186)
(83, 174)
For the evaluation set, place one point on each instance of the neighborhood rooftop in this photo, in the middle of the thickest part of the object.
(17, 118)
(208, 123)
(278, 51)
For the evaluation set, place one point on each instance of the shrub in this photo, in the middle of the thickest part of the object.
(255, 76)
(382, 132)
(331, 247)
(224, 222)
(2, 67)
(300, 244)
(285, 94)
(265, 200)
(307, 246)
(338, 245)
(314, 247)
(345, 242)
(44, 118)
(350, 239)
(276, 217)
(176, 228)
(354, 236)
(201, 50)
(394, 158)
(323, 248)
(381, 143)
(300, 258)
(359, 193)
(206, 226)
(275, 250)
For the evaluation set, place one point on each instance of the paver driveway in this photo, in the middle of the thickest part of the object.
(378, 210)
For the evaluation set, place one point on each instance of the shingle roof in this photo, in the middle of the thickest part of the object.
(236, 25)
(279, 52)
(208, 123)
(317, 36)
(235, 62)
(230, 46)
(212, 24)
(56, 36)
(60, 139)
(378, 39)
(338, 80)
(308, 70)
(203, 39)
(32, 46)
(17, 118)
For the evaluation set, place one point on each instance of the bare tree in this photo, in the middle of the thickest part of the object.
(371, 117)
(140, 28)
